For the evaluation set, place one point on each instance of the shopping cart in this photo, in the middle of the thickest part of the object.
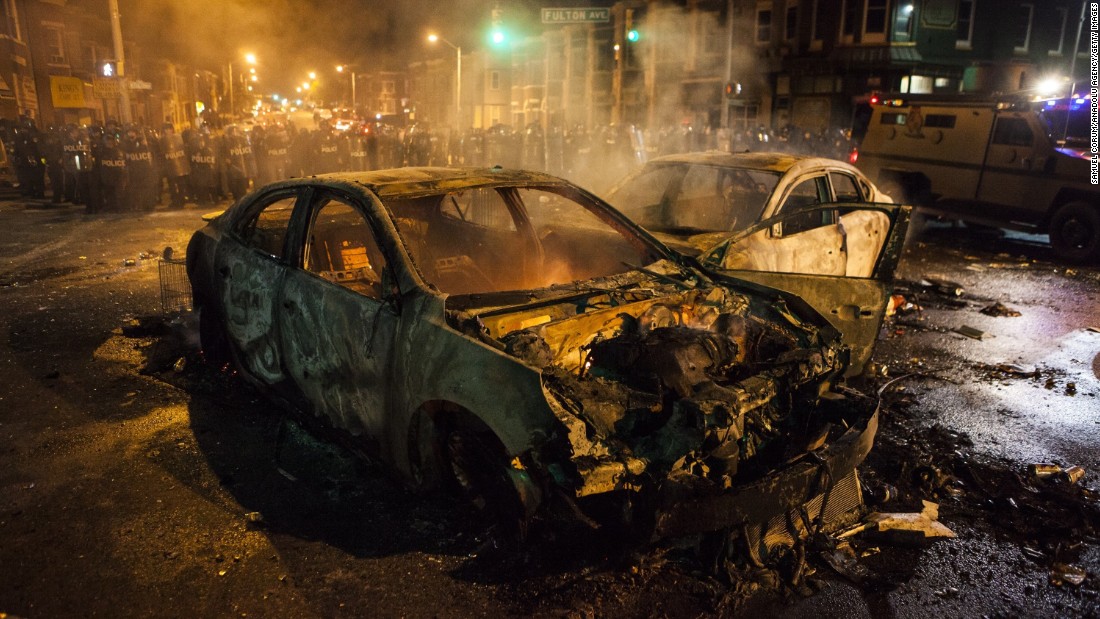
(175, 289)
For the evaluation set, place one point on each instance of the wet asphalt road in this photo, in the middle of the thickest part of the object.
(1012, 421)
(127, 487)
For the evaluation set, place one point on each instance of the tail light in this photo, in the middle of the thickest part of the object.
(853, 156)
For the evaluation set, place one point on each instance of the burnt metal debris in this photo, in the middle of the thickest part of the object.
(508, 334)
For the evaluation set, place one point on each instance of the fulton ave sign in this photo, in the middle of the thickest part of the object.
(575, 15)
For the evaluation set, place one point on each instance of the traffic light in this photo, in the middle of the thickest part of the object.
(632, 34)
(733, 89)
(108, 68)
(497, 36)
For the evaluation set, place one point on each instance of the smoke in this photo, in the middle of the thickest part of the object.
(293, 37)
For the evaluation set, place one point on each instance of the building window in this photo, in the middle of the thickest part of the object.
(55, 43)
(744, 116)
(815, 24)
(791, 27)
(849, 14)
(1061, 17)
(902, 31)
(388, 87)
(763, 26)
(874, 20)
(11, 19)
(964, 34)
(714, 40)
(494, 80)
(1021, 28)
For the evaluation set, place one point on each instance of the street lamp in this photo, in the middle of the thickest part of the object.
(351, 69)
(432, 38)
(250, 58)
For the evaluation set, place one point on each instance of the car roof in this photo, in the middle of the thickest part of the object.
(417, 180)
(775, 162)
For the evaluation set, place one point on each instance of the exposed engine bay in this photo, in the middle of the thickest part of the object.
(663, 387)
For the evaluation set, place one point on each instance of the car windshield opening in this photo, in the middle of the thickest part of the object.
(694, 199)
(495, 239)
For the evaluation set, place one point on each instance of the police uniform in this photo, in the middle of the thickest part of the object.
(176, 166)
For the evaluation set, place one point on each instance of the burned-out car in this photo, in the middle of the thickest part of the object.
(759, 211)
(512, 335)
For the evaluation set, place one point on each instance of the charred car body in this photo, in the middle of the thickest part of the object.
(511, 334)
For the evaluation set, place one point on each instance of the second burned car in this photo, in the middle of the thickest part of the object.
(512, 335)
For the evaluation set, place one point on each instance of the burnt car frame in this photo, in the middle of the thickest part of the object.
(693, 201)
(511, 334)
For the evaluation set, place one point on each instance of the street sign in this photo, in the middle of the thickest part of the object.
(105, 87)
(67, 92)
(578, 15)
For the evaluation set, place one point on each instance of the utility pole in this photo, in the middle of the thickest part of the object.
(725, 122)
(120, 56)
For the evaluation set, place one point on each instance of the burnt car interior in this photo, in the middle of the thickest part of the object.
(266, 230)
(495, 239)
(681, 199)
(341, 248)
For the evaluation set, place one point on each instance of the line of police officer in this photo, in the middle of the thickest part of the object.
(131, 168)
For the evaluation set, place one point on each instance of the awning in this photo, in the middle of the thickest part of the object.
(877, 55)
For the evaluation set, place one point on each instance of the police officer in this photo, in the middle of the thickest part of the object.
(276, 159)
(326, 150)
(240, 167)
(358, 155)
(175, 164)
(112, 172)
(50, 149)
(27, 160)
(94, 203)
(139, 166)
(75, 160)
(203, 166)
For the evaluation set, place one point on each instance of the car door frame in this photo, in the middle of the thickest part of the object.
(380, 316)
(853, 305)
(252, 344)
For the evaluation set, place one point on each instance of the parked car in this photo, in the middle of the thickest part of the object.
(767, 206)
(513, 336)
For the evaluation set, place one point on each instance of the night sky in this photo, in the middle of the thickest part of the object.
(292, 37)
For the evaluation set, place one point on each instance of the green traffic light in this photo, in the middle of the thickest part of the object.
(497, 37)
(632, 36)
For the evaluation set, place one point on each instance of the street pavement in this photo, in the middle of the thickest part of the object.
(137, 486)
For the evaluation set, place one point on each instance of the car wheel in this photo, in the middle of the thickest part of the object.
(1075, 232)
(215, 344)
(482, 473)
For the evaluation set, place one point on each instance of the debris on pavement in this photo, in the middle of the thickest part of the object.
(943, 286)
(1043, 470)
(898, 305)
(1000, 310)
(1008, 370)
(971, 332)
(1073, 474)
(1063, 574)
(905, 527)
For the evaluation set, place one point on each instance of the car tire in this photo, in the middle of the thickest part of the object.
(1075, 232)
(480, 470)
